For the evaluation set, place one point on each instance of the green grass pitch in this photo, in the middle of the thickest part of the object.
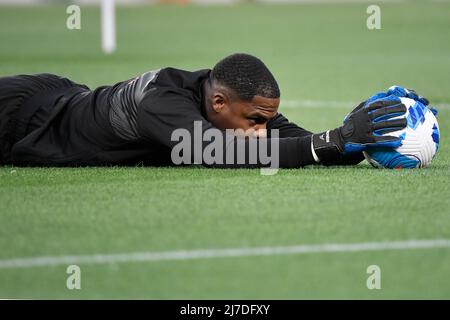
(318, 53)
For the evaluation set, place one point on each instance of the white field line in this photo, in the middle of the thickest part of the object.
(334, 104)
(221, 253)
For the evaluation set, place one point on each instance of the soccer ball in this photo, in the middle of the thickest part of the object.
(420, 140)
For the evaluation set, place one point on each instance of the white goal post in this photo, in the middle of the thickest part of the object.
(108, 25)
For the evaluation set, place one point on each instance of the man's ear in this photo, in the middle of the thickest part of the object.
(219, 101)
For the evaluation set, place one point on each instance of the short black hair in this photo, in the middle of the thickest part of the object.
(247, 76)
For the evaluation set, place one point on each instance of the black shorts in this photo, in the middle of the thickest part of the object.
(19, 116)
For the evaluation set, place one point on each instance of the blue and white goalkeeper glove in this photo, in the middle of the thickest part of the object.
(412, 94)
(396, 91)
(363, 127)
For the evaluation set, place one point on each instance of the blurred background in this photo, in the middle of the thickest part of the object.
(326, 60)
(318, 50)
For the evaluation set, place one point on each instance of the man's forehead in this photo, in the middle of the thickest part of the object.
(265, 104)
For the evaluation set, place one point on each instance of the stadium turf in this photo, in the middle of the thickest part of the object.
(324, 58)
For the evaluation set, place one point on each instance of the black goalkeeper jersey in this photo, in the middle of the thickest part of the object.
(130, 123)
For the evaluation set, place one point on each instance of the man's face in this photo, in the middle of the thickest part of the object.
(232, 113)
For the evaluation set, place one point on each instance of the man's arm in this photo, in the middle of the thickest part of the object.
(290, 129)
(165, 110)
(161, 113)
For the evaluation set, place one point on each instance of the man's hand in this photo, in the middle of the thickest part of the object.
(395, 91)
(362, 128)
(412, 94)
(407, 93)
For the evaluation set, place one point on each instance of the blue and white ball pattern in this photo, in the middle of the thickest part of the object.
(420, 140)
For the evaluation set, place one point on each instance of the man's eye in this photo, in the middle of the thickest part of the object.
(257, 120)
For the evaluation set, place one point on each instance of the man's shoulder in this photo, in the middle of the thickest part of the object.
(180, 78)
(172, 87)
(174, 70)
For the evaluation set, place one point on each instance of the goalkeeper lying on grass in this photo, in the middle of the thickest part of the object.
(47, 120)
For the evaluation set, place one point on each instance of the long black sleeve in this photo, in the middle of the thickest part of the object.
(170, 118)
(289, 129)
(285, 128)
